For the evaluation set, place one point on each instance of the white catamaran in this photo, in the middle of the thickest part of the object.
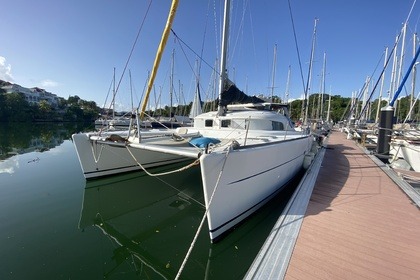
(114, 152)
(247, 152)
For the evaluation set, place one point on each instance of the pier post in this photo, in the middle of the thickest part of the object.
(386, 122)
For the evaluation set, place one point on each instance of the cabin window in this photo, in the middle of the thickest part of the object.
(260, 125)
(226, 123)
(238, 125)
(209, 123)
(277, 125)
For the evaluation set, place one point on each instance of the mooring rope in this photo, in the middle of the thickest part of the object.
(93, 152)
(204, 218)
(195, 162)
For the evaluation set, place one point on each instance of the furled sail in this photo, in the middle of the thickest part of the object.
(196, 108)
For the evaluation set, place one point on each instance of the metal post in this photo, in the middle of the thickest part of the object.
(386, 122)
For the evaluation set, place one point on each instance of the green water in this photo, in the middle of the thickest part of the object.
(55, 225)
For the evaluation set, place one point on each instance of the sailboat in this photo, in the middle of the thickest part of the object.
(248, 151)
(107, 153)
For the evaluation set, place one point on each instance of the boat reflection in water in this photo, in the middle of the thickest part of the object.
(151, 222)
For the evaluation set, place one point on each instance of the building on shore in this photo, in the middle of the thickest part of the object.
(32, 95)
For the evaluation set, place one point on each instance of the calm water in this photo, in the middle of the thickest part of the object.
(55, 225)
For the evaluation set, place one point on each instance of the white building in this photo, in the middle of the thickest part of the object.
(32, 95)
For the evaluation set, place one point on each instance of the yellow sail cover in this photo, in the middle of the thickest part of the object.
(159, 53)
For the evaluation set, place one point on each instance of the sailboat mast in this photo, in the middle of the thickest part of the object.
(402, 54)
(113, 97)
(286, 96)
(413, 80)
(324, 69)
(329, 106)
(394, 67)
(223, 70)
(274, 72)
(382, 87)
(171, 86)
(401, 62)
(308, 82)
(131, 90)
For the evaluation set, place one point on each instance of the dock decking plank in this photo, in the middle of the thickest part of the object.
(358, 224)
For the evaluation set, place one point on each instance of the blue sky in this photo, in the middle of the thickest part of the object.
(72, 47)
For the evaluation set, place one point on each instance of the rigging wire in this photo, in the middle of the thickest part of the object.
(204, 39)
(393, 49)
(134, 44)
(253, 38)
(217, 37)
(411, 10)
(378, 80)
(296, 44)
(107, 95)
(352, 108)
(194, 52)
(241, 28)
(195, 73)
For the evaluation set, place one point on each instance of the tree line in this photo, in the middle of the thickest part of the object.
(342, 108)
(14, 108)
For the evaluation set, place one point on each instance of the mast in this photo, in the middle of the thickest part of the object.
(131, 90)
(113, 97)
(171, 84)
(394, 67)
(274, 72)
(329, 106)
(324, 69)
(402, 54)
(215, 84)
(319, 111)
(405, 77)
(363, 114)
(223, 70)
(356, 104)
(413, 78)
(401, 62)
(159, 53)
(382, 86)
(308, 82)
(286, 95)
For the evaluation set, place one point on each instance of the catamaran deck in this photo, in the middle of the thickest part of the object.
(361, 222)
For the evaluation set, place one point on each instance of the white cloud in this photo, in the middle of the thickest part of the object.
(48, 84)
(5, 70)
(9, 165)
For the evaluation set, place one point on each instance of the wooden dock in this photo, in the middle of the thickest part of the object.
(357, 224)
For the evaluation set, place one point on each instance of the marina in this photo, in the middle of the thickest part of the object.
(358, 223)
(55, 224)
(225, 178)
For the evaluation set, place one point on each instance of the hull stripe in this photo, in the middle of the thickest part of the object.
(257, 174)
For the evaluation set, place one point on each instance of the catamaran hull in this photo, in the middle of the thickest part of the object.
(411, 153)
(99, 158)
(245, 179)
